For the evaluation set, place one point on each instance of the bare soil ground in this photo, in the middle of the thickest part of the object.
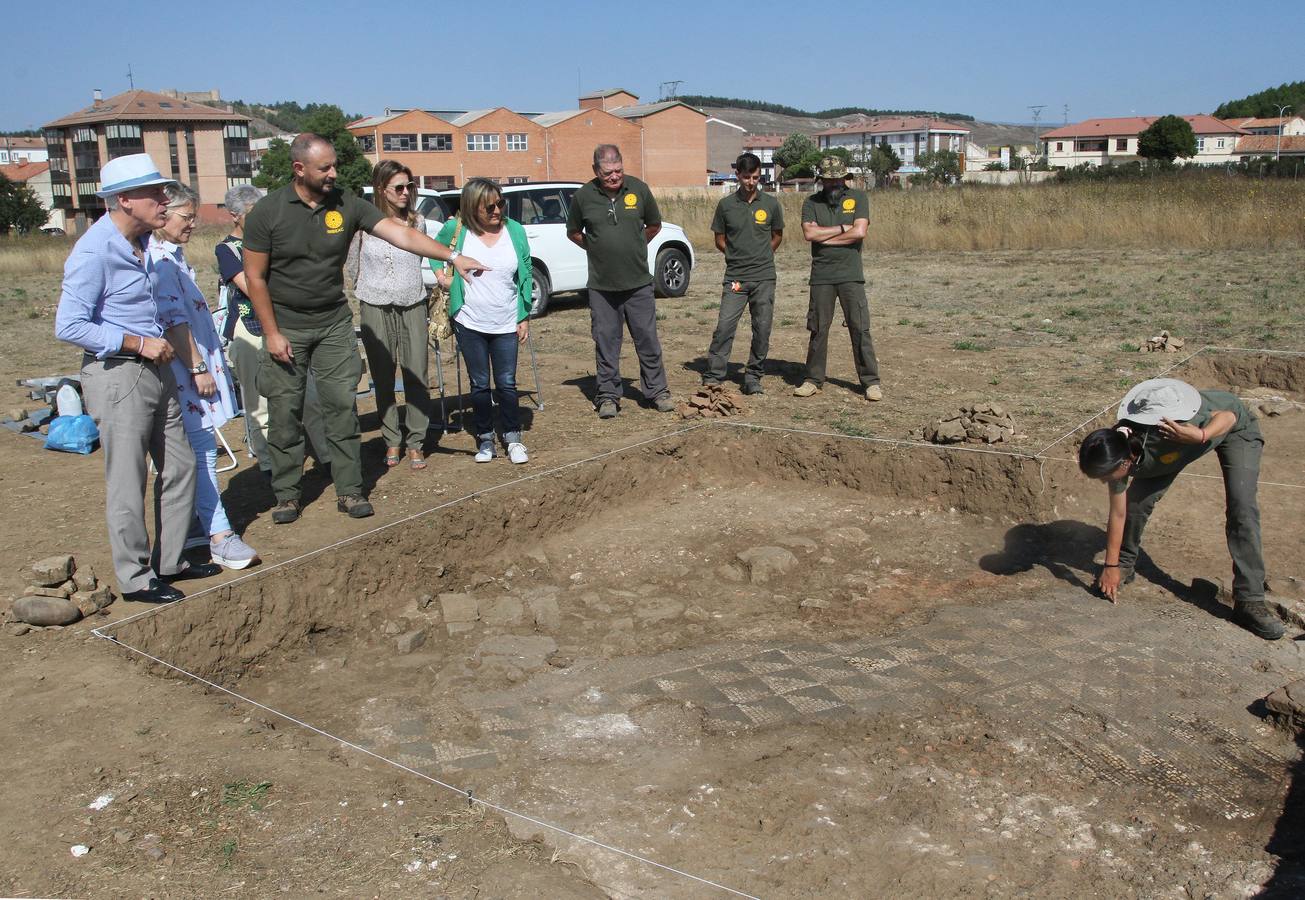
(951, 712)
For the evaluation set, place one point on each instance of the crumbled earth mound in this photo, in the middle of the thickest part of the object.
(981, 423)
(712, 401)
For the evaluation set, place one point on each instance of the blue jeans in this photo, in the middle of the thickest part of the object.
(481, 351)
(208, 497)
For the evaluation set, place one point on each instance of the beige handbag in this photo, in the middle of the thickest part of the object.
(438, 309)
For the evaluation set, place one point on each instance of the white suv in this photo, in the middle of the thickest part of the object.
(559, 265)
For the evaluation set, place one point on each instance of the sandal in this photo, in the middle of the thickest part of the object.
(392, 456)
(415, 459)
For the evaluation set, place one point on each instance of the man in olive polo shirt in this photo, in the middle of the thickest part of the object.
(613, 218)
(296, 240)
(835, 220)
(749, 225)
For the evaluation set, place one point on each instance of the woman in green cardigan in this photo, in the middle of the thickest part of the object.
(490, 311)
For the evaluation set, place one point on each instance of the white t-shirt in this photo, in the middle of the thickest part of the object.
(489, 300)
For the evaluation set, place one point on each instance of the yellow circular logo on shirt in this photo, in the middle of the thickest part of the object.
(334, 220)
(760, 216)
(1168, 458)
(630, 201)
(849, 204)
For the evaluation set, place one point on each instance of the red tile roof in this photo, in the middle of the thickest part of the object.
(146, 106)
(23, 143)
(1131, 126)
(883, 124)
(763, 140)
(1262, 123)
(23, 171)
(1267, 144)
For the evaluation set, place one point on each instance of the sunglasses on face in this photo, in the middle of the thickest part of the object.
(493, 205)
(403, 188)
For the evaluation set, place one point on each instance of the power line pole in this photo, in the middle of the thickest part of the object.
(130, 80)
(1066, 122)
(670, 89)
(1282, 114)
(1037, 138)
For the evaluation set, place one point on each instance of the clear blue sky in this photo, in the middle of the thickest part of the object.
(989, 59)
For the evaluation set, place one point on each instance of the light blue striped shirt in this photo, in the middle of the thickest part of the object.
(107, 292)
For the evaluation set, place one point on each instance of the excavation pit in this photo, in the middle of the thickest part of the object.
(794, 664)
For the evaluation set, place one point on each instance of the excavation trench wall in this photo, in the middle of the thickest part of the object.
(222, 634)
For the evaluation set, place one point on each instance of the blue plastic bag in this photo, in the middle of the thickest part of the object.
(72, 434)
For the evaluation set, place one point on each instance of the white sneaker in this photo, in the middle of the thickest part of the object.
(517, 453)
(486, 451)
(233, 553)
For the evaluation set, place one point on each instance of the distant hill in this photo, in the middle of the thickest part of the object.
(759, 121)
(781, 109)
(1265, 104)
(282, 117)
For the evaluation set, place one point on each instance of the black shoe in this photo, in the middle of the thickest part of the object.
(356, 506)
(753, 387)
(285, 512)
(196, 570)
(1256, 617)
(157, 592)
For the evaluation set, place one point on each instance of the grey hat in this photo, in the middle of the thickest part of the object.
(1160, 398)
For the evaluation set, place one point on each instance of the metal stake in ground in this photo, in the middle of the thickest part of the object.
(538, 396)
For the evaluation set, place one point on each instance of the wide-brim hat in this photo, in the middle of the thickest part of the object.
(1160, 398)
(127, 173)
(832, 167)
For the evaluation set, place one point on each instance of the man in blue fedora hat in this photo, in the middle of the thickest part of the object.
(108, 308)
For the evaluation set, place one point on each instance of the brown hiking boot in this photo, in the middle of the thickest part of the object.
(356, 506)
(285, 512)
(1256, 617)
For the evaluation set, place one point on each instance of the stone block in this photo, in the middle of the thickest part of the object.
(765, 563)
(46, 610)
(502, 611)
(52, 570)
(406, 643)
(462, 608)
(1287, 704)
(544, 609)
(57, 591)
(84, 579)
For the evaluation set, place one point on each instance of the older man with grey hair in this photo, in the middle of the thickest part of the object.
(108, 308)
(613, 218)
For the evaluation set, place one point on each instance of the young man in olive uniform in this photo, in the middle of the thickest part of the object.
(835, 221)
(749, 225)
(613, 218)
(296, 241)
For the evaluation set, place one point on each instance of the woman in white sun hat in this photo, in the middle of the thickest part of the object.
(1164, 425)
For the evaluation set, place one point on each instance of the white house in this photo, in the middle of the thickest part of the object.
(1290, 126)
(909, 136)
(1095, 142)
(764, 145)
(36, 175)
(22, 150)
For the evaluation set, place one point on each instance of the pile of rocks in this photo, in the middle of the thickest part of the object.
(1163, 342)
(713, 401)
(981, 423)
(60, 594)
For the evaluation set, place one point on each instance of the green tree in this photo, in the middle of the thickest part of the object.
(20, 208)
(1166, 138)
(274, 168)
(1266, 103)
(796, 149)
(884, 161)
(353, 170)
(938, 167)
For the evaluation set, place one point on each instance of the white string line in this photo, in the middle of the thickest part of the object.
(1253, 350)
(1107, 409)
(467, 794)
(1065, 459)
(262, 572)
(874, 440)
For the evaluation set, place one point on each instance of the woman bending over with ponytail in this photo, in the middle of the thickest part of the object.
(1164, 425)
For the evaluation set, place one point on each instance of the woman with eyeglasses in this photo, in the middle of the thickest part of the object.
(1164, 426)
(204, 387)
(490, 311)
(387, 282)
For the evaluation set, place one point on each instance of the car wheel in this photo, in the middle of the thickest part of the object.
(671, 278)
(539, 291)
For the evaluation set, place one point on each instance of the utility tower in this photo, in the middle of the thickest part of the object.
(671, 89)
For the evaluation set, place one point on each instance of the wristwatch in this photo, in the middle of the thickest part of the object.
(200, 369)
(453, 254)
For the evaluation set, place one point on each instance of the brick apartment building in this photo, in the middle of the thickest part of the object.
(665, 144)
(203, 146)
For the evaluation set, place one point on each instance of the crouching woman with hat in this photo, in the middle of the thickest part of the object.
(1164, 425)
